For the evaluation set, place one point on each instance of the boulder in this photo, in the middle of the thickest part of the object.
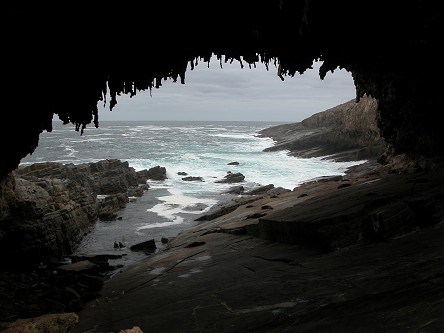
(232, 178)
(260, 190)
(193, 179)
(148, 246)
(154, 173)
(235, 189)
(80, 266)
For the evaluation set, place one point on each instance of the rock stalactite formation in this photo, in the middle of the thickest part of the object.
(64, 59)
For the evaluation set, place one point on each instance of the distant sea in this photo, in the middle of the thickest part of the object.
(200, 149)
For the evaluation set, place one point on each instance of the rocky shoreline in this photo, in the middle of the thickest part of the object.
(47, 208)
(347, 132)
(58, 204)
(367, 248)
(362, 253)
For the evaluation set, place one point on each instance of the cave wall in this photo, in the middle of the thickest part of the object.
(63, 58)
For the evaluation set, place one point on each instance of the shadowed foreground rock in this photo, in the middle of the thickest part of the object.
(372, 276)
(53, 323)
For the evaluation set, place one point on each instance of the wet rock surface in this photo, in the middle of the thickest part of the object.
(230, 177)
(367, 257)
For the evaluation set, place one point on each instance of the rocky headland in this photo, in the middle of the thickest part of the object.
(347, 132)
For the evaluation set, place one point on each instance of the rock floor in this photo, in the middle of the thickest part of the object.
(219, 276)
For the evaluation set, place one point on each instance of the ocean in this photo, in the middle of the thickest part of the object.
(199, 149)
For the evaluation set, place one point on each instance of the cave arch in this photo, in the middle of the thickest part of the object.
(59, 59)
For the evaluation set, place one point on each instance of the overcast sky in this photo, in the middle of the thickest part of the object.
(233, 93)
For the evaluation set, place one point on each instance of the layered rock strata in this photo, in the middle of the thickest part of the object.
(347, 132)
(46, 208)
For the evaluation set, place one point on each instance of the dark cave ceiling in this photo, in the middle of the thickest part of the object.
(62, 58)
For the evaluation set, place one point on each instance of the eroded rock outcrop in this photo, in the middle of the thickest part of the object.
(230, 177)
(347, 132)
(46, 208)
(43, 218)
(154, 173)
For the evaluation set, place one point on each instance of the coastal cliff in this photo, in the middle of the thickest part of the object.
(347, 132)
(46, 208)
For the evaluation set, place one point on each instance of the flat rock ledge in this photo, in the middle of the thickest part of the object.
(360, 253)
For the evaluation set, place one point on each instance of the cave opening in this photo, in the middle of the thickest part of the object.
(224, 91)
